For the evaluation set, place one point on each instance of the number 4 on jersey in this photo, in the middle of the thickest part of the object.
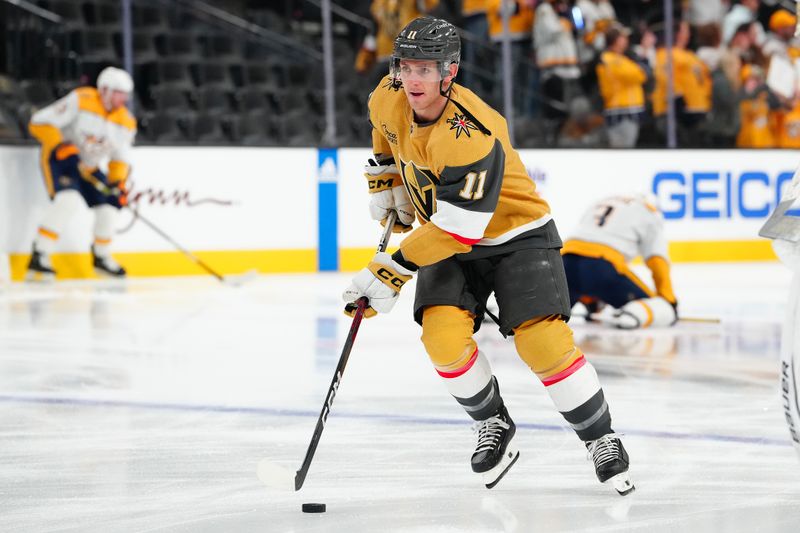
(473, 190)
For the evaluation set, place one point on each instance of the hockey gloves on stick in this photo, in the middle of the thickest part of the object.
(380, 282)
(387, 193)
(120, 190)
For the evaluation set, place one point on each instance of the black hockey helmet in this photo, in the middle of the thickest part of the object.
(427, 38)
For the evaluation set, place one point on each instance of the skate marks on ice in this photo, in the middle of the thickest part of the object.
(146, 409)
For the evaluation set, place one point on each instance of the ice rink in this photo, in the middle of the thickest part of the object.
(146, 405)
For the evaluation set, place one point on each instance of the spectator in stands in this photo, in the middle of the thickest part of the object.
(724, 120)
(520, 23)
(78, 133)
(475, 22)
(708, 39)
(780, 39)
(743, 12)
(756, 102)
(556, 56)
(701, 13)
(736, 54)
(390, 17)
(645, 50)
(598, 16)
(691, 85)
(621, 82)
(583, 128)
(788, 135)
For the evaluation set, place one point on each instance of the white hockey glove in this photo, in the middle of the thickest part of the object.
(387, 193)
(380, 282)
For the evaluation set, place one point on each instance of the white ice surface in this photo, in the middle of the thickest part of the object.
(146, 406)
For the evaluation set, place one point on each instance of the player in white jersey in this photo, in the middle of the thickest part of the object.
(80, 133)
(610, 235)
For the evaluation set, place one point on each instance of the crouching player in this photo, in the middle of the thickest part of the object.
(611, 234)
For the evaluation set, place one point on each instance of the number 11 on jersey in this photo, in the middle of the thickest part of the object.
(471, 190)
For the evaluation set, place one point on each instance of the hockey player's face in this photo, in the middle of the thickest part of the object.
(420, 83)
(113, 100)
(419, 71)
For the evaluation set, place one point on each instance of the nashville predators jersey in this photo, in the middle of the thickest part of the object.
(469, 187)
(629, 226)
(692, 81)
(80, 118)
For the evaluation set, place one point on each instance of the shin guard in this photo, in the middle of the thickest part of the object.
(104, 218)
(546, 345)
(64, 206)
(447, 335)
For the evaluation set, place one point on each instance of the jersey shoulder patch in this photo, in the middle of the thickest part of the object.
(457, 141)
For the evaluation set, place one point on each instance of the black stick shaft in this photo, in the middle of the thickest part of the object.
(361, 303)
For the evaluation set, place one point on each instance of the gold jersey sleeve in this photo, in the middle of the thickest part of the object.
(461, 173)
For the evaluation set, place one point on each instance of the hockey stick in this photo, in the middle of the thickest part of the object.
(609, 320)
(699, 320)
(279, 477)
(235, 281)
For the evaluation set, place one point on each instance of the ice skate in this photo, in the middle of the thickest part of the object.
(39, 267)
(106, 266)
(611, 462)
(495, 453)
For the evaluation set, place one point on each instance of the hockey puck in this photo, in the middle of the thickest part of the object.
(313, 507)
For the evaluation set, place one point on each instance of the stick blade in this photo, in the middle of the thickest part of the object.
(237, 280)
(276, 476)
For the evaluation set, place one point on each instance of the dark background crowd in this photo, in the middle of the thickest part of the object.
(585, 73)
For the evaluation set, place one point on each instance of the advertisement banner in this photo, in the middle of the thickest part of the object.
(308, 208)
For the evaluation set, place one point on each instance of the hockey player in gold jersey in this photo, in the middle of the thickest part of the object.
(443, 157)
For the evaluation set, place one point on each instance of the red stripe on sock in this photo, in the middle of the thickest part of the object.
(462, 370)
(462, 240)
(564, 374)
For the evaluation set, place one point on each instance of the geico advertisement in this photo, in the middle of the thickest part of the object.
(204, 198)
(704, 195)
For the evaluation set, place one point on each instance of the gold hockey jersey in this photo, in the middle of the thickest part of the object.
(469, 189)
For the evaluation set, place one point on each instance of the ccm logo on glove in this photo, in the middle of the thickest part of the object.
(390, 278)
(378, 184)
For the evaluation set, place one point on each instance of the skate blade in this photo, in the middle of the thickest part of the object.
(107, 275)
(622, 483)
(39, 277)
(492, 477)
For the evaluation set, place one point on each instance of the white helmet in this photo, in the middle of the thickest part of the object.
(115, 79)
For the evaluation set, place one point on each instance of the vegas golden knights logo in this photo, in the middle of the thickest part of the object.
(421, 187)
